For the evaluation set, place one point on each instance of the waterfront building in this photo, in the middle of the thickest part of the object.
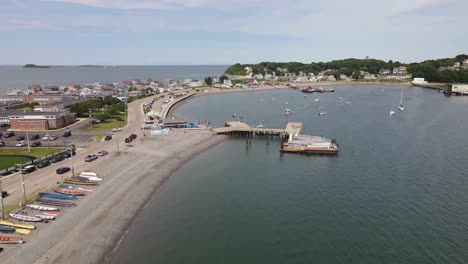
(457, 89)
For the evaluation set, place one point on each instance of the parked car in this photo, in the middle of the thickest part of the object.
(29, 169)
(116, 129)
(67, 134)
(67, 154)
(45, 137)
(52, 138)
(133, 136)
(9, 134)
(63, 170)
(20, 138)
(2, 144)
(36, 144)
(21, 144)
(102, 153)
(90, 158)
(128, 140)
(56, 159)
(43, 164)
(35, 137)
(107, 138)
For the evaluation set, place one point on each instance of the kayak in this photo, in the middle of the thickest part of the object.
(69, 191)
(7, 229)
(52, 213)
(23, 231)
(55, 202)
(58, 196)
(20, 225)
(46, 217)
(66, 186)
(80, 182)
(10, 240)
(84, 190)
(26, 218)
(42, 208)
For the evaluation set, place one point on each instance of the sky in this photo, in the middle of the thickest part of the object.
(195, 32)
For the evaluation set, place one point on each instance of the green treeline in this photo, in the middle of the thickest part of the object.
(106, 108)
(351, 67)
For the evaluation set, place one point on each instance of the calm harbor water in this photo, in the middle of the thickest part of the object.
(396, 193)
(12, 77)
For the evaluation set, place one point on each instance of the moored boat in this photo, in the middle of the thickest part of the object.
(26, 218)
(58, 196)
(55, 202)
(68, 191)
(19, 225)
(42, 208)
(10, 240)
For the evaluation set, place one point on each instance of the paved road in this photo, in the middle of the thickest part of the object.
(46, 177)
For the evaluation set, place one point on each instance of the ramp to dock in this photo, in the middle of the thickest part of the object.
(292, 128)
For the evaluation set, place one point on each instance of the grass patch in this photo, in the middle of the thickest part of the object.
(7, 162)
(108, 124)
(99, 137)
(35, 152)
(11, 208)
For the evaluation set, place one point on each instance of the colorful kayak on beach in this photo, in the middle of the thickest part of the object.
(42, 208)
(7, 229)
(10, 240)
(55, 202)
(20, 225)
(26, 218)
(58, 196)
(23, 231)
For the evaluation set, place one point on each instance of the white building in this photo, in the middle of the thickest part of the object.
(369, 77)
(458, 89)
(302, 79)
(195, 83)
(419, 81)
(258, 76)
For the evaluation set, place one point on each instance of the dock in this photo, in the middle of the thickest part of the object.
(241, 128)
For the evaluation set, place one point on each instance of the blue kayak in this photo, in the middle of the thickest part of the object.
(58, 196)
(55, 202)
(7, 229)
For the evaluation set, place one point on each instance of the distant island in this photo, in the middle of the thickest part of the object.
(36, 66)
(447, 70)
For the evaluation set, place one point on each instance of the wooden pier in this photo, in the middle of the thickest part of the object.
(241, 128)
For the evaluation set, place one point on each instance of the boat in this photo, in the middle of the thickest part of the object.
(46, 217)
(316, 100)
(68, 191)
(10, 240)
(316, 90)
(42, 208)
(52, 213)
(7, 229)
(76, 181)
(391, 113)
(23, 231)
(66, 186)
(84, 190)
(322, 113)
(26, 218)
(57, 196)
(401, 107)
(55, 202)
(19, 225)
(90, 176)
(309, 145)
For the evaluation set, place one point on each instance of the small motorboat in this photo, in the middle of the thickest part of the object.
(19, 225)
(26, 218)
(7, 229)
(68, 191)
(58, 196)
(42, 208)
(401, 107)
(316, 100)
(46, 217)
(391, 113)
(55, 202)
(322, 113)
(10, 240)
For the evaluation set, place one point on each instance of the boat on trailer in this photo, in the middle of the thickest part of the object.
(55, 202)
(26, 218)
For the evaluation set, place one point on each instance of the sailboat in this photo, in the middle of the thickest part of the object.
(401, 107)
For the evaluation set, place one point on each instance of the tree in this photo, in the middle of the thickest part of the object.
(222, 78)
(209, 81)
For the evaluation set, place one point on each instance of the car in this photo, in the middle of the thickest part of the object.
(45, 137)
(128, 140)
(35, 137)
(67, 134)
(9, 134)
(36, 144)
(52, 138)
(2, 144)
(107, 138)
(20, 138)
(102, 153)
(90, 158)
(29, 169)
(63, 170)
(43, 164)
(21, 144)
(56, 159)
(133, 136)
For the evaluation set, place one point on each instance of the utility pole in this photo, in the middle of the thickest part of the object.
(90, 118)
(71, 159)
(27, 139)
(22, 184)
(1, 201)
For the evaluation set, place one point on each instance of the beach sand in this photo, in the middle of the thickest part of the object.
(90, 232)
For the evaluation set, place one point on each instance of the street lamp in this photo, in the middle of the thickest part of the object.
(1, 201)
(22, 183)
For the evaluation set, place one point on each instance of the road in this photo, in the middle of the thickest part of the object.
(46, 178)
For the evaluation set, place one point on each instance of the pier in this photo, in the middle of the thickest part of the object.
(241, 128)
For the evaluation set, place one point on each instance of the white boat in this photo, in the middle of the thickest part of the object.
(391, 113)
(89, 173)
(316, 100)
(401, 107)
(90, 178)
(84, 190)
(42, 208)
(322, 113)
(46, 217)
(26, 218)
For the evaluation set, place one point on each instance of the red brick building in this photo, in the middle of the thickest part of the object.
(30, 120)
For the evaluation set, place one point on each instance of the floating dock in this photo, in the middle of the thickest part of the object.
(241, 128)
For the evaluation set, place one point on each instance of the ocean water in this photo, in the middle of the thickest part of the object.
(396, 193)
(12, 77)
